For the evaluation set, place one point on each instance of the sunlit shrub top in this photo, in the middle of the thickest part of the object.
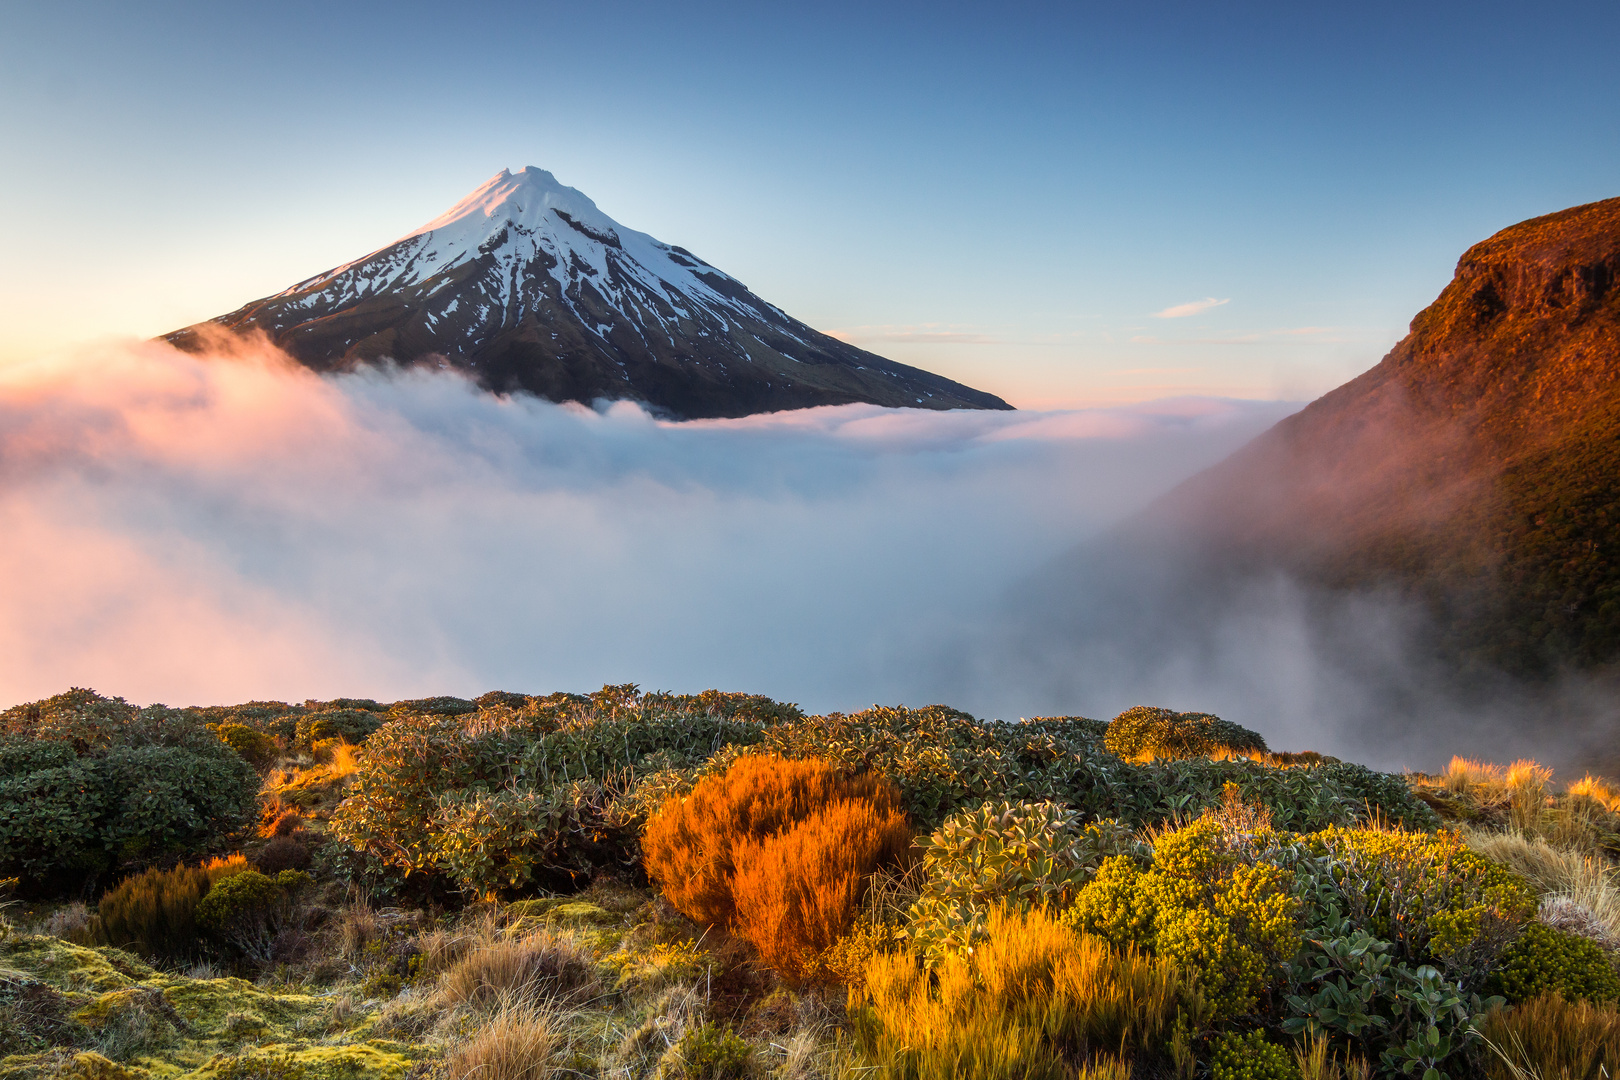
(1149, 732)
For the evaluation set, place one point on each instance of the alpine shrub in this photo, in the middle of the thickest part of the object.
(798, 891)
(690, 845)
(154, 912)
(1546, 960)
(707, 1053)
(99, 783)
(1149, 732)
(1023, 854)
(350, 725)
(248, 909)
(256, 748)
(1201, 906)
(1251, 1057)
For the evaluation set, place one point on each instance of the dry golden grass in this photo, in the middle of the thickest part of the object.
(516, 1043)
(544, 968)
(1549, 867)
(1548, 1038)
(1034, 993)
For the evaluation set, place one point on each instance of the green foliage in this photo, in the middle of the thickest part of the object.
(350, 725)
(248, 909)
(1545, 959)
(100, 783)
(1025, 854)
(1413, 1020)
(511, 841)
(709, 1052)
(256, 748)
(1430, 896)
(1151, 732)
(531, 781)
(1201, 905)
(1251, 1057)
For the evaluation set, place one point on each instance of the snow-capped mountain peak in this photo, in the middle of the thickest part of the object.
(527, 284)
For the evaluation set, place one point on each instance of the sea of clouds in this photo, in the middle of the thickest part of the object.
(203, 529)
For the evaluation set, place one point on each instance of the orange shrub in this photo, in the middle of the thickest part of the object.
(797, 892)
(154, 912)
(778, 850)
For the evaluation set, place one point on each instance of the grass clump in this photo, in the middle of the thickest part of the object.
(1035, 1000)
(1551, 1038)
(517, 1043)
(542, 968)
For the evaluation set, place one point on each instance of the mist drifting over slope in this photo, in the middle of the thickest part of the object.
(198, 529)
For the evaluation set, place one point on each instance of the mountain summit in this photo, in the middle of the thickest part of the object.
(526, 285)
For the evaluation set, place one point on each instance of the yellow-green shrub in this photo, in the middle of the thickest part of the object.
(1428, 894)
(1251, 1057)
(1203, 908)
(1149, 732)
(1547, 960)
(154, 912)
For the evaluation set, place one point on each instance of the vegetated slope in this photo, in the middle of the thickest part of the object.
(1476, 468)
(526, 285)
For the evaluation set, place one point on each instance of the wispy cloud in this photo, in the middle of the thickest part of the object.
(1196, 307)
(922, 334)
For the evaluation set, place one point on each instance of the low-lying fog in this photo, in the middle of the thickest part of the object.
(207, 530)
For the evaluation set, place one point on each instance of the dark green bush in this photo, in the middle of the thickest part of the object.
(708, 1053)
(256, 748)
(350, 725)
(248, 909)
(1146, 731)
(1545, 959)
(100, 783)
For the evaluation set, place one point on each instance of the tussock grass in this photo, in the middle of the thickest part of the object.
(517, 1042)
(1033, 996)
(543, 968)
(1548, 1038)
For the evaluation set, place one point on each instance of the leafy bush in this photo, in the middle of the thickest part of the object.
(1549, 1037)
(1251, 1057)
(1430, 896)
(1412, 1020)
(1148, 732)
(154, 912)
(248, 909)
(707, 1053)
(1546, 960)
(100, 782)
(779, 850)
(350, 725)
(1201, 906)
(256, 748)
(554, 838)
(1032, 997)
(1024, 854)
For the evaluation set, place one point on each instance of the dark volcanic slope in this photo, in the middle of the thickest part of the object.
(1477, 466)
(526, 285)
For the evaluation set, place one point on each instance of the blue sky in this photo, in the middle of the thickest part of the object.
(1006, 194)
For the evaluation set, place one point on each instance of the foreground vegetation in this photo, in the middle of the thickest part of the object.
(661, 886)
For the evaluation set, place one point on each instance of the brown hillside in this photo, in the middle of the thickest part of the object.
(1477, 466)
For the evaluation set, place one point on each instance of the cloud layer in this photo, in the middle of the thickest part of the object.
(207, 529)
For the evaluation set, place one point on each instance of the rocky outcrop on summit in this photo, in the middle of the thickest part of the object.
(1476, 468)
(526, 285)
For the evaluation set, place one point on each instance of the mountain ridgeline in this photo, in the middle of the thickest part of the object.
(526, 285)
(1475, 470)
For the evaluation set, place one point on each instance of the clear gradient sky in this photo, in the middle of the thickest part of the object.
(1007, 194)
